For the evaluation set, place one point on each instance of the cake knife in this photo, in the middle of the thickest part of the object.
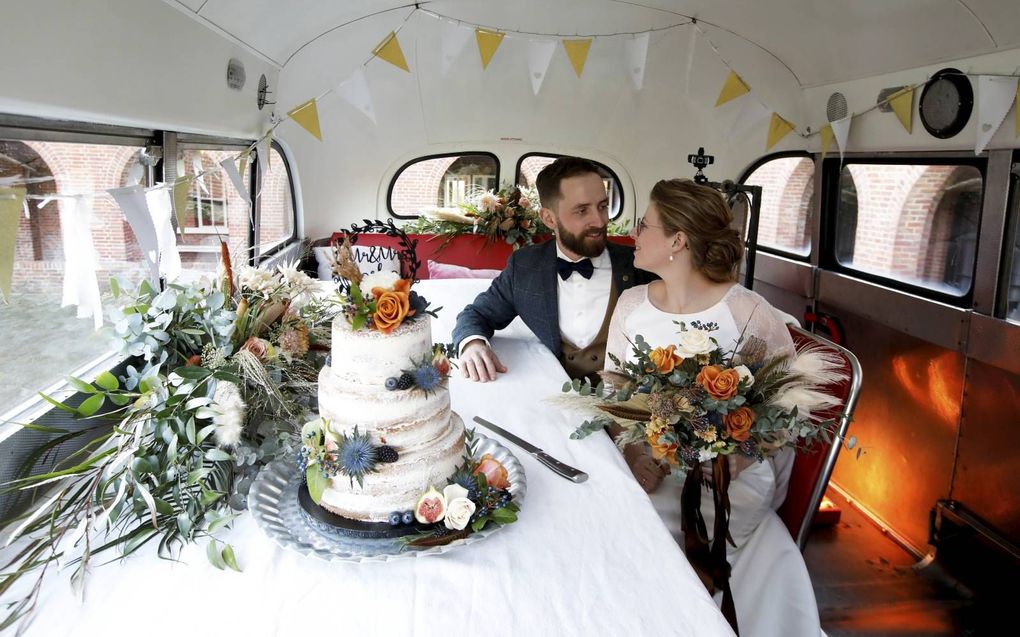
(558, 467)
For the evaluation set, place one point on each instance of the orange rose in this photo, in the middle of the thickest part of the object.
(665, 359)
(664, 451)
(392, 306)
(720, 383)
(495, 473)
(738, 423)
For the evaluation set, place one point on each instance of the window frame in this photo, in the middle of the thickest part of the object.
(812, 212)
(1010, 237)
(615, 177)
(832, 169)
(408, 164)
(259, 255)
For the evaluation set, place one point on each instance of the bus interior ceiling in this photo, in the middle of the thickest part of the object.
(900, 242)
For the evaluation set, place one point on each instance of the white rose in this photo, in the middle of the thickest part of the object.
(694, 343)
(458, 513)
(453, 492)
(385, 280)
(745, 374)
(704, 455)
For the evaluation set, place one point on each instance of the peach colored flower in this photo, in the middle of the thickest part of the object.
(495, 473)
(721, 384)
(257, 346)
(664, 451)
(392, 306)
(665, 359)
(738, 423)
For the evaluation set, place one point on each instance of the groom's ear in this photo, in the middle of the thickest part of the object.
(548, 217)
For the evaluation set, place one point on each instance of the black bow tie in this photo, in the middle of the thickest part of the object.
(565, 268)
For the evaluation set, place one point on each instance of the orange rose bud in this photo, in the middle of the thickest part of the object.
(721, 384)
(392, 306)
(664, 451)
(496, 475)
(665, 359)
(193, 361)
(738, 423)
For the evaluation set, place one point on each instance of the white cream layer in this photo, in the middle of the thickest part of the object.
(367, 357)
(397, 486)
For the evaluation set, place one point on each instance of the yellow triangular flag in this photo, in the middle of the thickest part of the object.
(903, 105)
(11, 200)
(307, 116)
(389, 50)
(826, 135)
(488, 42)
(778, 129)
(577, 51)
(732, 89)
(180, 196)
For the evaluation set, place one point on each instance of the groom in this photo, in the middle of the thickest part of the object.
(564, 290)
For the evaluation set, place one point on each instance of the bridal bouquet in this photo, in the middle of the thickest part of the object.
(692, 401)
(221, 379)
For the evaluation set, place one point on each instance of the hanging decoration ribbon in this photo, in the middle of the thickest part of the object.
(995, 96)
(488, 42)
(307, 116)
(389, 50)
(81, 285)
(577, 51)
(133, 204)
(540, 53)
(11, 200)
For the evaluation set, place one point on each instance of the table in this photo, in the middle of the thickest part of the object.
(587, 559)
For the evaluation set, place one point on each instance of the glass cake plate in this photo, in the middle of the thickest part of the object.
(273, 501)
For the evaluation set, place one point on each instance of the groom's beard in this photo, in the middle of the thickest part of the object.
(589, 243)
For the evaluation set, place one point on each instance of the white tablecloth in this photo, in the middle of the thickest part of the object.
(587, 559)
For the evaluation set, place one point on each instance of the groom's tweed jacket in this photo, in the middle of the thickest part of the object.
(528, 288)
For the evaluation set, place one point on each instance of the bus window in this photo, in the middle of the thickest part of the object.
(911, 223)
(531, 164)
(787, 187)
(215, 211)
(276, 207)
(1013, 289)
(44, 340)
(441, 181)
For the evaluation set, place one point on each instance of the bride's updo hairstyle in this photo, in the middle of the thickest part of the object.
(701, 213)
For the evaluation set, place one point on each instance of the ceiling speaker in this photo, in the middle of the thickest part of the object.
(836, 107)
(235, 74)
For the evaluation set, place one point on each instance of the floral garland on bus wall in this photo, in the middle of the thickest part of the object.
(224, 376)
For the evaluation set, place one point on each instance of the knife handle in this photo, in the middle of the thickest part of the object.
(562, 469)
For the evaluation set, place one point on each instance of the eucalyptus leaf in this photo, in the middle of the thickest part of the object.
(316, 483)
(91, 405)
(217, 455)
(81, 385)
(230, 559)
(212, 552)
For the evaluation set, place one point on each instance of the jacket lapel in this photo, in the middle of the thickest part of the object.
(549, 291)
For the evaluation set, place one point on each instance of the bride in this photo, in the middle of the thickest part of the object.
(686, 238)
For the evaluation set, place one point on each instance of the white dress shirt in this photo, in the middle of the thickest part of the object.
(583, 302)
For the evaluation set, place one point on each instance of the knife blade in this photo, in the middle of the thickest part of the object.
(560, 468)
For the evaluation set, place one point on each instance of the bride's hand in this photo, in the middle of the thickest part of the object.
(648, 471)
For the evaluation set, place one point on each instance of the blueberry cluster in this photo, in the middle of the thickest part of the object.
(404, 381)
(401, 517)
(496, 499)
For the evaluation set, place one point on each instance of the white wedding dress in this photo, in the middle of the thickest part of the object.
(772, 591)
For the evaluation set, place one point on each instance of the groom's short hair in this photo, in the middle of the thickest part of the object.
(548, 180)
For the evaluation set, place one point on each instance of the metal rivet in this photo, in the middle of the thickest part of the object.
(626, 277)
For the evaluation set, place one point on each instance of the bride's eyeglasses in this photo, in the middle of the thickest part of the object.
(641, 225)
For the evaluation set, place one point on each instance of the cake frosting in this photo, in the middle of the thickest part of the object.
(419, 425)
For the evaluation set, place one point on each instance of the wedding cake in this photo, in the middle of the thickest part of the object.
(387, 389)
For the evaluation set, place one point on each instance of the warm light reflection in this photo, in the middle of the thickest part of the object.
(938, 389)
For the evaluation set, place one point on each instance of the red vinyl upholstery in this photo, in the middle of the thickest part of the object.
(813, 467)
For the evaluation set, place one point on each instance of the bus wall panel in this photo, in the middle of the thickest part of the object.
(907, 422)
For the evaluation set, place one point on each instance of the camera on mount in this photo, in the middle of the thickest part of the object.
(700, 161)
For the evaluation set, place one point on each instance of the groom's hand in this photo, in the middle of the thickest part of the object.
(479, 363)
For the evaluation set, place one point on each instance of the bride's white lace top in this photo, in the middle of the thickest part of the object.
(740, 310)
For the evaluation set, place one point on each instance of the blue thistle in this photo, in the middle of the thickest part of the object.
(427, 377)
(356, 456)
(417, 303)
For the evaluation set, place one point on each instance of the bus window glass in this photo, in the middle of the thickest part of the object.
(1013, 288)
(45, 341)
(441, 182)
(215, 211)
(912, 223)
(276, 205)
(787, 187)
(531, 164)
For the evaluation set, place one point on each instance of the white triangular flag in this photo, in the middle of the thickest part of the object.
(637, 54)
(995, 95)
(841, 133)
(196, 169)
(540, 52)
(81, 286)
(355, 91)
(135, 173)
(230, 168)
(262, 150)
(161, 209)
(136, 210)
(692, 46)
(455, 37)
(751, 112)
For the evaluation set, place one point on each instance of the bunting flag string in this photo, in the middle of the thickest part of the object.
(733, 88)
(841, 132)
(778, 129)
(355, 92)
(133, 204)
(825, 135)
(637, 55)
(902, 104)
(488, 42)
(454, 40)
(577, 51)
(390, 51)
(307, 117)
(995, 96)
(81, 285)
(540, 53)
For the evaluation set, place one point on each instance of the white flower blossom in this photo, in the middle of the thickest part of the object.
(745, 374)
(459, 508)
(694, 343)
(488, 202)
(257, 280)
(230, 411)
(385, 280)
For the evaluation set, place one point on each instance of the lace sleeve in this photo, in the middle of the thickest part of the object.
(754, 316)
(617, 343)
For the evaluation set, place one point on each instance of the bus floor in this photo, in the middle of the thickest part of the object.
(866, 585)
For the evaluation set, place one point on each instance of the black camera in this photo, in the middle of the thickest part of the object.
(699, 161)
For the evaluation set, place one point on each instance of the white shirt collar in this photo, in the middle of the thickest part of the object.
(601, 261)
